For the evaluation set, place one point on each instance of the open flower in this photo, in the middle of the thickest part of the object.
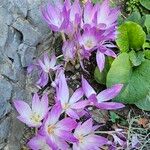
(73, 104)
(89, 14)
(69, 51)
(100, 100)
(32, 116)
(87, 140)
(46, 66)
(106, 16)
(75, 13)
(56, 16)
(100, 55)
(119, 138)
(58, 74)
(38, 143)
(58, 132)
(89, 39)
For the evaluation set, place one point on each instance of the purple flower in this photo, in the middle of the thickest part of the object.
(56, 16)
(32, 116)
(100, 100)
(89, 39)
(75, 13)
(87, 140)
(135, 141)
(100, 55)
(58, 74)
(89, 14)
(73, 104)
(57, 131)
(46, 66)
(38, 143)
(106, 16)
(119, 138)
(69, 51)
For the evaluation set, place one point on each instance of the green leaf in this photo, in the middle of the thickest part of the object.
(131, 36)
(145, 3)
(136, 80)
(147, 54)
(100, 77)
(146, 45)
(136, 58)
(147, 23)
(135, 17)
(113, 116)
(145, 103)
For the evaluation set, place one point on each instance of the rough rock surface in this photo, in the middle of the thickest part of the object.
(23, 38)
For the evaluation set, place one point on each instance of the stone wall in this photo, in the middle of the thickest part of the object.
(23, 37)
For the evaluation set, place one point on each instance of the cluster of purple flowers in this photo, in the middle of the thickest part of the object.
(84, 29)
(59, 126)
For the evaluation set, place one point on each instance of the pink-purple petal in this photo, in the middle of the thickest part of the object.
(77, 95)
(22, 107)
(63, 90)
(67, 136)
(109, 93)
(110, 105)
(67, 124)
(72, 113)
(80, 105)
(100, 59)
(88, 90)
(54, 114)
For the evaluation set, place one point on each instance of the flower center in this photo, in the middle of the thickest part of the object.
(66, 106)
(51, 129)
(81, 138)
(89, 44)
(44, 146)
(35, 118)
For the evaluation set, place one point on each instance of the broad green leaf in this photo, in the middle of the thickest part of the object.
(136, 80)
(144, 103)
(147, 23)
(136, 58)
(145, 3)
(135, 17)
(130, 36)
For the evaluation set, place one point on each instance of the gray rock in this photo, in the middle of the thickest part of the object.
(27, 54)
(24, 36)
(5, 17)
(31, 36)
(3, 33)
(33, 16)
(5, 108)
(13, 41)
(4, 131)
(5, 90)
(12, 70)
(20, 7)
(15, 135)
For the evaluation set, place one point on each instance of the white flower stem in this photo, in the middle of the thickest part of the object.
(59, 56)
(50, 77)
(108, 132)
(63, 36)
(36, 131)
